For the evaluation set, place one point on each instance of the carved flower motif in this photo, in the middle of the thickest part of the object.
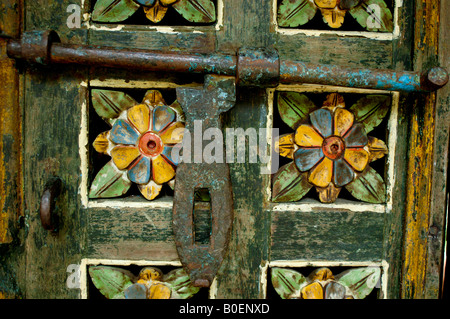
(155, 10)
(333, 11)
(140, 144)
(151, 283)
(355, 283)
(196, 11)
(330, 148)
(373, 15)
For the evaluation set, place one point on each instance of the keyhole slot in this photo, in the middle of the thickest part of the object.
(202, 216)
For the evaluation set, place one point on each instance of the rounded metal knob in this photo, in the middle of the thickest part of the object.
(51, 190)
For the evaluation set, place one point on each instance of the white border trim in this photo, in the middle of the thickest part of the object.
(83, 143)
(315, 33)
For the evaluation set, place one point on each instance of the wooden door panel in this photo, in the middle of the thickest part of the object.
(396, 235)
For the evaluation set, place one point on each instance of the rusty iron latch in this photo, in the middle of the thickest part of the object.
(204, 104)
(223, 73)
(251, 67)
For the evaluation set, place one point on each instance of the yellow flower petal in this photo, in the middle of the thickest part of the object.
(358, 158)
(151, 190)
(334, 17)
(306, 136)
(343, 121)
(153, 98)
(328, 194)
(167, 2)
(156, 13)
(322, 274)
(159, 291)
(101, 142)
(312, 291)
(377, 148)
(334, 100)
(329, 4)
(139, 116)
(123, 156)
(150, 273)
(285, 145)
(162, 171)
(173, 134)
(321, 175)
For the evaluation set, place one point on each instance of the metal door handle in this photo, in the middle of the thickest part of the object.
(251, 67)
(47, 208)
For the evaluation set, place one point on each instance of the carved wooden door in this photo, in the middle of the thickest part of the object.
(338, 187)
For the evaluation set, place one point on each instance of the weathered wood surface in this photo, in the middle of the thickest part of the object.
(12, 255)
(337, 235)
(138, 233)
(425, 201)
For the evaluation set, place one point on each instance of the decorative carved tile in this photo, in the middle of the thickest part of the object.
(328, 146)
(322, 283)
(354, 15)
(154, 12)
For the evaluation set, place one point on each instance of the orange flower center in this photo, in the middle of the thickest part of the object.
(150, 144)
(333, 147)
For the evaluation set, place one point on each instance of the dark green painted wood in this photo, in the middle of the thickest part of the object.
(138, 233)
(335, 235)
(393, 226)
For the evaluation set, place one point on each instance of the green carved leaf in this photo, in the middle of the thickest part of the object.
(109, 182)
(373, 15)
(368, 187)
(294, 13)
(180, 284)
(113, 10)
(289, 184)
(198, 11)
(360, 281)
(109, 103)
(294, 107)
(371, 110)
(111, 281)
(287, 283)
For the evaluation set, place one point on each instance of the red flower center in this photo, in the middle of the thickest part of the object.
(151, 144)
(333, 147)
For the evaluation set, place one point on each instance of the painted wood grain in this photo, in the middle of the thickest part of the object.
(326, 235)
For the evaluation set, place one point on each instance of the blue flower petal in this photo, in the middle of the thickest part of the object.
(136, 291)
(356, 136)
(123, 133)
(322, 121)
(147, 3)
(343, 174)
(140, 172)
(306, 158)
(172, 153)
(162, 117)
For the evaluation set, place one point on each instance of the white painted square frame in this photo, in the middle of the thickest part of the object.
(356, 206)
(265, 276)
(86, 262)
(161, 29)
(83, 143)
